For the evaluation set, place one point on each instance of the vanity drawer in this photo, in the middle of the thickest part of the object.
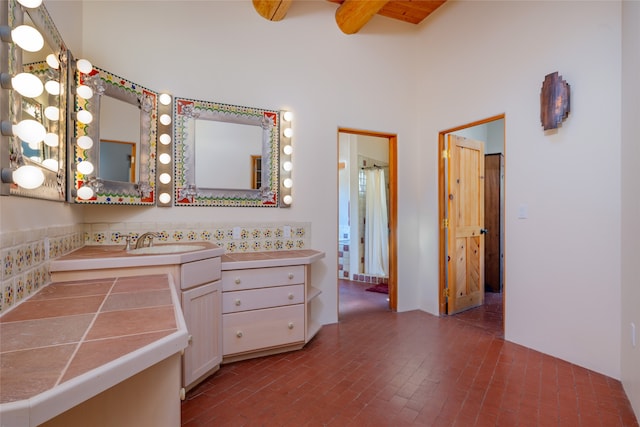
(234, 280)
(200, 272)
(257, 329)
(253, 299)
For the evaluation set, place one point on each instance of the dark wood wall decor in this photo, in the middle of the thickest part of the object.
(554, 101)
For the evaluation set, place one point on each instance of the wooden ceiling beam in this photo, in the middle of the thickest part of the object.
(352, 15)
(273, 10)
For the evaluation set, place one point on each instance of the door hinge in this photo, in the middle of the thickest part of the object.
(445, 223)
(446, 154)
(445, 292)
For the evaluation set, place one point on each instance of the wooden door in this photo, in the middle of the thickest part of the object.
(493, 265)
(465, 229)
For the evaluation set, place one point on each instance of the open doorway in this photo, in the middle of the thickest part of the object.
(367, 206)
(472, 216)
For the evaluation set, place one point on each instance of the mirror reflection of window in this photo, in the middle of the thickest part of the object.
(117, 160)
(119, 122)
(222, 150)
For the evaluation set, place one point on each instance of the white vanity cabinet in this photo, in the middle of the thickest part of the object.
(266, 309)
(201, 295)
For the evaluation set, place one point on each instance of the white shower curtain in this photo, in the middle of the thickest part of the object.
(376, 238)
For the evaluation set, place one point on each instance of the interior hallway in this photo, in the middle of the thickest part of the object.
(379, 368)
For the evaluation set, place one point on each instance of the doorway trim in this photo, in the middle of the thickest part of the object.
(442, 265)
(393, 207)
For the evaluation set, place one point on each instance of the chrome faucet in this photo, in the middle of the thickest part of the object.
(142, 239)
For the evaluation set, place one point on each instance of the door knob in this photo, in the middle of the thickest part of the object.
(484, 231)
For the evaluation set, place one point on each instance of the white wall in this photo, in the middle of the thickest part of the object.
(630, 200)
(562, 267)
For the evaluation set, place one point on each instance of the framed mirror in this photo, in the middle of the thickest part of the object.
(225, 155)
(48, 108)
(121, 149)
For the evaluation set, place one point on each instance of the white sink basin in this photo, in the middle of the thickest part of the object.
(166, 249)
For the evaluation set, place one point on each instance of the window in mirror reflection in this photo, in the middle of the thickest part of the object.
(256, 172)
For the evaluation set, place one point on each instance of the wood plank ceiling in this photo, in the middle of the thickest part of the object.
(353, 15)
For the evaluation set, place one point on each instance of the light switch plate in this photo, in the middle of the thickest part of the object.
(287, 231)
(523, 211)
(236, 232)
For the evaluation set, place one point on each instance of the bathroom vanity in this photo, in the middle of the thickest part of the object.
(268, 300)
(196, 277)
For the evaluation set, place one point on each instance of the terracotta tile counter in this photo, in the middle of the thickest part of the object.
(234, 261)
(73, 340)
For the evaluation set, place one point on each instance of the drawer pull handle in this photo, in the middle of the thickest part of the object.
(239, 334)
(290, 275)
(290, 296)
(238, 302)
(290, 325)
(237, 280)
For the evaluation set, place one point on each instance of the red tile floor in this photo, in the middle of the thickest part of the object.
(379, 368)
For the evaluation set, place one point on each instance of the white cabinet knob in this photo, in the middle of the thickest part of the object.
(190, 340)
(239, 334)
(290, 325)
(290, 275)
(183, 394)
(238, 302)
(237, 280)
(290, 296)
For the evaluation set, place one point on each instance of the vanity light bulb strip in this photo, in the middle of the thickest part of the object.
(164, 185)
(286, 150)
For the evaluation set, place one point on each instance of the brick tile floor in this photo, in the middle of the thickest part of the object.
(379, 368)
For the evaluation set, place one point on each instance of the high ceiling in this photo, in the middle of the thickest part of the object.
(353, 15)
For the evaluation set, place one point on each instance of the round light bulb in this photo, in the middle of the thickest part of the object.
(84, 91)
(288, 132)
(31, 4)
(52, 113)
(165, 119)
(85, 142)
(53, 61)
(288, 183)
(165, 178)
(52, 87)
(165, 99)
(165, 159)
(28, 177)
(52, 139)
(85, 167)
(164, 198)
(287, 116)
(165, 139)
(28, 38)
(27, 84)
(34, 146)
(51, 164)
(287, 166)
(85, 193)
(84, 117)
(287, 199)
(287, 149)
(30, 131)
(84, 66)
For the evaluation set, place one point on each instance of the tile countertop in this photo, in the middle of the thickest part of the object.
(237, 261)
(72, 340)
(114, 256)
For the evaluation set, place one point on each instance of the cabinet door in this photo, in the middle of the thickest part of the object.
(202, 309)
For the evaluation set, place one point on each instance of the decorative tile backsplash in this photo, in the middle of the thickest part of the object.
(232, 237)
(25, 254)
